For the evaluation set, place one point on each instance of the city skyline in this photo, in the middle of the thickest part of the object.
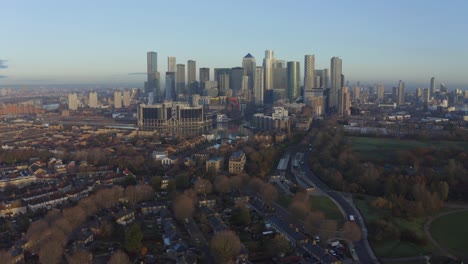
(43, 49)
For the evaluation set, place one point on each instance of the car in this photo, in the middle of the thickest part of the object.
(332, 252)
(351, 217)
(317, 239)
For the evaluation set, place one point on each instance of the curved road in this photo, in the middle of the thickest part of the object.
(362, 247)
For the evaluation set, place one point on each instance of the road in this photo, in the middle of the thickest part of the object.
(362, 247)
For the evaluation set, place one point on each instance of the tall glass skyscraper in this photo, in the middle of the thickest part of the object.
(180, 79)
(171, 64)
(151, 62)
(191, 71)
(258, 86)
(268, 69)
(309, 72)
(336, 82)
(293, 80)
(249, 64)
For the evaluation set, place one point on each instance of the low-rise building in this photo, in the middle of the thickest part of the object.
(214, 165)
(237, 162)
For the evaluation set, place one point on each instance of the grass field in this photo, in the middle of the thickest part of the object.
(451, 231)
(382, 148)
(318, 203)
(394, 248)
(327, 206)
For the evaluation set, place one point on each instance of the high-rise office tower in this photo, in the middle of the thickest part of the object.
(280, 78)
(152, 83)
(245, 92)
(170, 86)
(419, 93)
(93, 100)
(204, 75)
(156, 87)
(191, 71)
(356, 93)
(279, 64)
(336, 80)
(151, 62)
(268, 70)
(180, 79)
(249, 64)
(309, 72)
(118, 99)
(171, 64)
(345, 102)
(294, 87)
(317, 81)
(433, 86)
(222, 76)
(324, 79)
(236, 79)
(258, 86)
(380, 92)
(426, 95)
(126, 98)
(73, 101)
(401, 93)
(443, 88)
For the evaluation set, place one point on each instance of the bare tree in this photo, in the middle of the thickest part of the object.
(269, 193)
(5, 256)
(313, 221)
(81, 257)
(203, 186)
(88, 205)
(225, 246)
(222, 184)
(51, 252)
(300, 205)
(351, 231)
(328, 229)
(119, 257)
(76, 216)
(183, 206)
(145, 192)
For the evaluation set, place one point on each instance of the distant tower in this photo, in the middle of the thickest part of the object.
(356, 93)
(345, 102)
(336, 80)
(433, 86)
(380, 92)
(93, 100)
(401, 93)
(309, 72)
(170, 86)
(249, 64)
(152, 83)
(268, 69)
(426, 95)
(191, 71)
(293, 80)
(171, 64)
(126, 99)
(235, 82)
(323, 74)
(204, 75)
(258, 86)
(117, 99)
(180, 79)
(151, 63)
(73, 101)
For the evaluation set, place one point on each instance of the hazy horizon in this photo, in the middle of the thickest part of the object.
(54, 42)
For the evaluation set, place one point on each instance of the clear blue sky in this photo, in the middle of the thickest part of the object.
(103, 41)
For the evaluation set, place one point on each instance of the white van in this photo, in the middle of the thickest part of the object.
(351, 217)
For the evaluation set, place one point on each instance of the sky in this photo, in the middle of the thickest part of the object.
(88, 41)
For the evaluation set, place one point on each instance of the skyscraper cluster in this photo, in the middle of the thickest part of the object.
(274, 81)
